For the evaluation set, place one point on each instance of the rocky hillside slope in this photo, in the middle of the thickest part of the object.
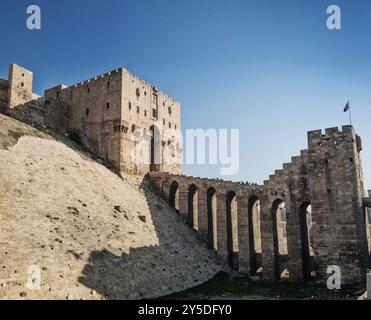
(72, 229)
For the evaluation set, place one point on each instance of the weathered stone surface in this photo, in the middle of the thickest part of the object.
(20, 85)
(4, 99)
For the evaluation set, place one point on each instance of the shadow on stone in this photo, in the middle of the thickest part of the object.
(178, 262)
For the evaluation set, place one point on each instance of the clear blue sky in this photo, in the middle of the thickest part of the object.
(270, 68)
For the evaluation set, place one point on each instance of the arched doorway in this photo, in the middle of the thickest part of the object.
(211, 219)
(280, 239)
(254, 235)
(193, 207)
(306, 223)
(232, 229)
(174, 195)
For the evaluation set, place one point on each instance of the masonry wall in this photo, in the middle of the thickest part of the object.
(329, 177)
(95, 113)
(149, 114)
(4, 95)
(43, 113)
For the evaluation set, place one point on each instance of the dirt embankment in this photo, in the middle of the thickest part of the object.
(72, 229)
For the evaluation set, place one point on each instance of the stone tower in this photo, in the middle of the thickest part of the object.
(20, 85)
(125, 120)
(336, 190)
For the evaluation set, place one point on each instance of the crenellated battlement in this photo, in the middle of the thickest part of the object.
(145, 83)
(333, 134)
(121, 71)
(96, 78)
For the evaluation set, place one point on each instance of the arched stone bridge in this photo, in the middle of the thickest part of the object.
(308, 216)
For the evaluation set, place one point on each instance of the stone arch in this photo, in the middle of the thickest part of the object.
(192, 218)
(305, 219)
(232, 229)
(278, 214)
(255, 242)
(212, 219)
(174, 195)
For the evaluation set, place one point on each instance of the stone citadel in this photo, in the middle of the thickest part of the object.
(109, 114)
(307, 217)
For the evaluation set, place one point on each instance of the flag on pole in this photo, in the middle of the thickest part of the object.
(347, 107)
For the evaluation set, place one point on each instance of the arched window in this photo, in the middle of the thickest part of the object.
(232, 229)
(254, 235)
(174, 195)
(211, 219)
(193, 206)
(306, 224)
(280, 239)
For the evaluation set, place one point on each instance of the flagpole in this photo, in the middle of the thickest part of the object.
(350, 114)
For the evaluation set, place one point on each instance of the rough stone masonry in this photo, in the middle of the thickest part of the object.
(310, 215)
(307, 217)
